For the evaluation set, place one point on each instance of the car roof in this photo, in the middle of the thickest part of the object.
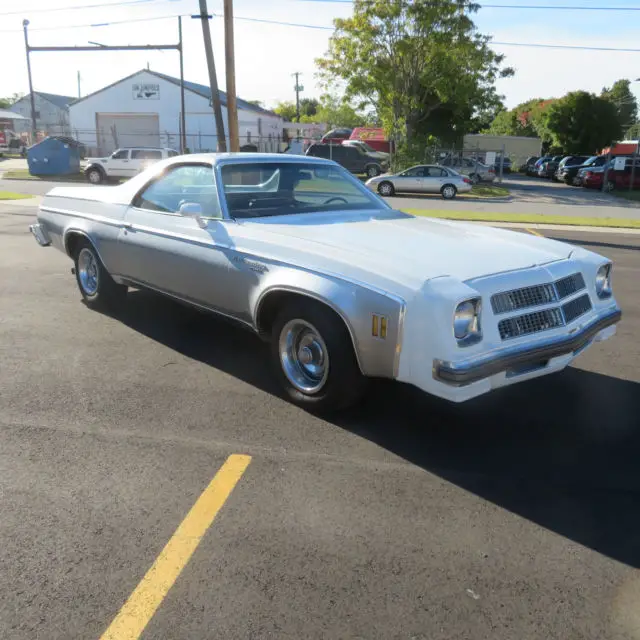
(247, 158)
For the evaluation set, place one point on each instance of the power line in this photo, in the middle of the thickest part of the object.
(102, 5)
(514, 6)
(561, 46)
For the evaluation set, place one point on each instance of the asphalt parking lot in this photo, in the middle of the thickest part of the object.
(513, 516)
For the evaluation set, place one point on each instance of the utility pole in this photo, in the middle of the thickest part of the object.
(183, 118)
(298, 88)
(79, 92)
(213, 81)
(230, 72)
(34, 127)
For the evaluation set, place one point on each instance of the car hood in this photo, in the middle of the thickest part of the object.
(398, 247)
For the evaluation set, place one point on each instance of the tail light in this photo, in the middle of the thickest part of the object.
(467, 180)
(589, 174)
(492, 170)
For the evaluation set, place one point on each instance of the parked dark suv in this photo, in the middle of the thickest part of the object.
(352, 158)
(565, 164)
(570, 174)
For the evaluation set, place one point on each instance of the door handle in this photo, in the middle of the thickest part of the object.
(127, 225)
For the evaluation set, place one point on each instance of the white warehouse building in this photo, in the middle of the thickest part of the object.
(144, 109)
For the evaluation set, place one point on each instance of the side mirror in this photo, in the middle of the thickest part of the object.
(193, 210)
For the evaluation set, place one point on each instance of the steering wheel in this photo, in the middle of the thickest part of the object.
(330, 200)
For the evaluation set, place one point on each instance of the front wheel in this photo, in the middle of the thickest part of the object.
(386, 189)
(314, 358)
(99, 290)
(448, 192)
(95, 176)
(611, 186)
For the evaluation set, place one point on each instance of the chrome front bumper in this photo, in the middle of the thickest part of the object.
(40, 234)
(465, 372)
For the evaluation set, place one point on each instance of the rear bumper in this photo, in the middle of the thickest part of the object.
(519, 357)
(40, 234)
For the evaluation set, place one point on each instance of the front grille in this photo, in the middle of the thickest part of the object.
(530, 323)
(521, 298)
(537, 295)
(575, 308)
(569, 285)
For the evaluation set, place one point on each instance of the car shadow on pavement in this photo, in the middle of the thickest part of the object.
(562, 451)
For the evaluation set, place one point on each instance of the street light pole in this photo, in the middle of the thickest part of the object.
(34, 127)
(183, 118)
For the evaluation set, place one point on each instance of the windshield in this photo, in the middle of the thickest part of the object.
(254, 190)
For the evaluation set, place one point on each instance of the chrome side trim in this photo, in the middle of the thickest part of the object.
(396, 359)
(139, 283)
(114, 222)
(40, 234)
(465, 372)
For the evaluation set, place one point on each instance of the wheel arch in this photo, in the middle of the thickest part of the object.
(272, 300)
(71, 239)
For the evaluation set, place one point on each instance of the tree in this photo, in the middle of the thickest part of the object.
(309, 107)
(526, 119)
(5, 103)
(582, 122)
(258, 103)
(335, 111)
(422, 66)
(286, 110)
(625, 102)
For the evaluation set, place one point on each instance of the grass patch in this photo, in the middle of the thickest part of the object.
(525, 218)
(10, 195)
(627, 195)
(23, 174)
(486, 191)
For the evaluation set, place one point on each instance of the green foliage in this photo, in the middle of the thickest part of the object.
(336, 112)
(309, 107)
(422, 66)
(625, 102)
(527, 119)
(581, 122)
(287, 110)
(633, 132)
(258, 103)
(5, 103)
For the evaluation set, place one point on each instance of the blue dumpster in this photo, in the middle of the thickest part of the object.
(54, 156)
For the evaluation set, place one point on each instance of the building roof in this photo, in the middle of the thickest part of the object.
(60, 101)
(10, 115)
(194, 87)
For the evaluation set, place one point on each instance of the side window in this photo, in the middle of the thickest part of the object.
(172, 154)
(415, 172)
(146, 154)
(181, 184)
(121, 154)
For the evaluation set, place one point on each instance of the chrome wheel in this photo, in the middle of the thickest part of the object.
(449, 192)
(88, 272)
(373, 171)
(385, 189)
(303, 356)
(475, 178)
(95, 177)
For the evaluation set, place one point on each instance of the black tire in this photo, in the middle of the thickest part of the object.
(475, 178)
(373, 170)
(449, 191)
(107, 294)
(344, 384)
(386, 189)
(95, 175)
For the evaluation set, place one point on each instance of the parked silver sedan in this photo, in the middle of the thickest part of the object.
(424, 178)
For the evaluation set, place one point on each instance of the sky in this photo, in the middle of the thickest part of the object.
(267, 55)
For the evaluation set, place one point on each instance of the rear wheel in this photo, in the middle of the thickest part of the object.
(449, 192)
(611, 186)
(314, 359)
(386, 189)
(99, 290)
(475, 178)
(373, 170)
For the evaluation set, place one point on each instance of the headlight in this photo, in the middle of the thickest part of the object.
(466, 321)
(603, 281)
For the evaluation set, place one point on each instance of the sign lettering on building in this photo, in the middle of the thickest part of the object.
(146, 92)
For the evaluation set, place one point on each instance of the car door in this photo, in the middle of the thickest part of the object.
(177, 254)
(433, 179)
(409, 180)
(118, 165)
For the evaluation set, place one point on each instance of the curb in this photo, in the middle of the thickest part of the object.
(556, 227)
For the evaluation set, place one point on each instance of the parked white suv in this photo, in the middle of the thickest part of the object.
(125, 163)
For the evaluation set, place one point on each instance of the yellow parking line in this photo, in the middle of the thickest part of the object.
(534, 232)
(145, 600)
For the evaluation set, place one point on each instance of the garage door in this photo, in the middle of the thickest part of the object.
(117, 130)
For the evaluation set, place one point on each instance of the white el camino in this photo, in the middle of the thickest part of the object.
(343, 287)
